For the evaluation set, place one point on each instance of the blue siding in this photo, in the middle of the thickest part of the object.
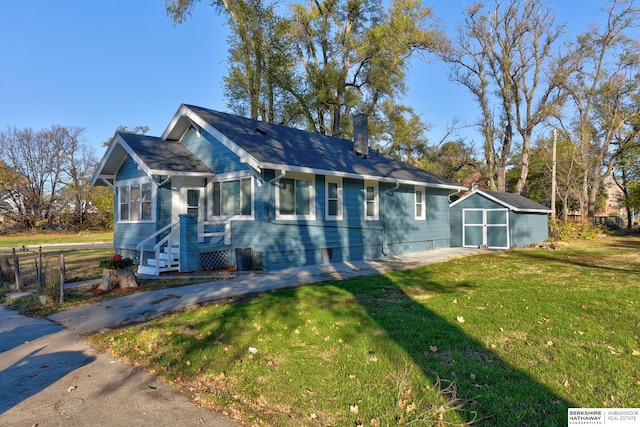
(129, 170)
(212, 152)
(280, 244)
(528, 228)
(292, 243)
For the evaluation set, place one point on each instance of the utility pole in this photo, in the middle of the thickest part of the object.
(553, 173)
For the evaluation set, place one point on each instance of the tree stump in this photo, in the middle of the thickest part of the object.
(123, 278)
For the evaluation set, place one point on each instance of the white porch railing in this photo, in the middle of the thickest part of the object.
(167, 250)
(226, 233)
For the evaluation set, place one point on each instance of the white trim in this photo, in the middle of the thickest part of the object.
(376, 200)
(312, 197)
(135, 182)
(423, 216)
(485, 226)
(500, 202)
(339, 174)
(340, 200)
(232, 176)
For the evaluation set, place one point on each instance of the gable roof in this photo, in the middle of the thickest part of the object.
(269, 146)
(514, 202)
(153, 155)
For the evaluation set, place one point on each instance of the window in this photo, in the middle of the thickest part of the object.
(370, 200)
(232, 198)
(421, 211)
(193, 201)
(136, 202)
(333, 192)
(295, 198)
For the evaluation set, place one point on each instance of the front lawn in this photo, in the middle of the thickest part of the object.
(504, 339)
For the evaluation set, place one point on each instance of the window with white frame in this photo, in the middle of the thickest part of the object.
(136, 202)
(420, 203)
(371, 198)
(333, 198)
(295, 197)
(232, 198)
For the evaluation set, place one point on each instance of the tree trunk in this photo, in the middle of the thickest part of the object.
(122, 277)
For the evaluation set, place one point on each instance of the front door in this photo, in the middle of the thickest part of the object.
(190, 200)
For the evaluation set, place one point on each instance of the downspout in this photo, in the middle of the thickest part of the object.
(385, 252)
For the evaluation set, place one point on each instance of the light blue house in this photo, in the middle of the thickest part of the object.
(218, 190)
(498, 220)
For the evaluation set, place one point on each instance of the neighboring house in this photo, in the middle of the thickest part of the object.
(216, 187)
(498, 220)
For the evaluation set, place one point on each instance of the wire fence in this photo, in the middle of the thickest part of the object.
(35, 270)
(28, 270)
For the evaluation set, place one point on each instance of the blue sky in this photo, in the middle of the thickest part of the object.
(102, 64)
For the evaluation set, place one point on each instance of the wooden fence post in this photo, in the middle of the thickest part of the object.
(39, 267)
(63, 272)
(16, 269)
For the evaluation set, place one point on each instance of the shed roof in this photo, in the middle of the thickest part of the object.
(514, 202)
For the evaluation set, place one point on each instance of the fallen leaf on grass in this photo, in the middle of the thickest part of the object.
(635, 353)
(354, 409)
(460, 319)
(433, 348)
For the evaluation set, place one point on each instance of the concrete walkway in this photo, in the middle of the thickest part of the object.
(49, 376)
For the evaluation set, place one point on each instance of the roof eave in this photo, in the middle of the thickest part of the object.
(159, 172)
(97, 173)
(308, 170)
(503, 203)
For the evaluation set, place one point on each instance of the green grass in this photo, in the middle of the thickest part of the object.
(504, 339)
(43, 238)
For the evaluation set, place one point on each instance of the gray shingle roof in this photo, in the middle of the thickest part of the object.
(161, 155)
(520, 203)
(272, 144)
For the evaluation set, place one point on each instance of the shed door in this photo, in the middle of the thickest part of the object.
(485, 227)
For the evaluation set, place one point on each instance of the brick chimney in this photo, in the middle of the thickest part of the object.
(361, 135)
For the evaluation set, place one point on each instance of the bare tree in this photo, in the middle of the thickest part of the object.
(503, 56)
(603, 85)
(42, 161)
